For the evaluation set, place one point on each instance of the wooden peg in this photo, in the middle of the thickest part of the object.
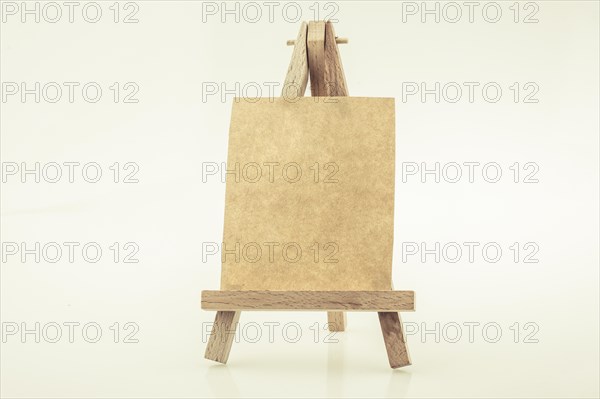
(338, 40)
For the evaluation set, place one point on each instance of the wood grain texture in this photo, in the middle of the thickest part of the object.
(383, 301)
(221, 337)
(393, 336)
(296, 78)
(335, 79)
(336, 321)
(316, 58)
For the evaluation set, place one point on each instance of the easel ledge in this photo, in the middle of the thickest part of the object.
(357, 301)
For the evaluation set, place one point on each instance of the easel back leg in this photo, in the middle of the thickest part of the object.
(336, 321)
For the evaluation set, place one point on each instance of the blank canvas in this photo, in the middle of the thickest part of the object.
(309, 194)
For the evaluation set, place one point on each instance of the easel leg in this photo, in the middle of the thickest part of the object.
(336, 321)
(222, 335)
(395, 343)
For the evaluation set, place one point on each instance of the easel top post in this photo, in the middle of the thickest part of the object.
(316, 54)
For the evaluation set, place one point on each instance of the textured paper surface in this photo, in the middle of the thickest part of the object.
(325, 230)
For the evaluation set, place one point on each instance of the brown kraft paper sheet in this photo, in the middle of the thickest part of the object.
(309, 194)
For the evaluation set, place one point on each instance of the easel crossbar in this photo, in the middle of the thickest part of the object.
(358, 301)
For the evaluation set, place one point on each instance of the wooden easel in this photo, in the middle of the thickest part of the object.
(315, 53)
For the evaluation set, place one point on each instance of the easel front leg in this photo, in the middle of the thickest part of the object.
(395, 343)
(222, 335)
(336, 321)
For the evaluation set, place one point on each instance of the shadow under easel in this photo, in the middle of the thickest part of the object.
(398, 383)
(221, 383)
(335, 367)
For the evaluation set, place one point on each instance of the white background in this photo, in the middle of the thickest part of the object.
(172, 55)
